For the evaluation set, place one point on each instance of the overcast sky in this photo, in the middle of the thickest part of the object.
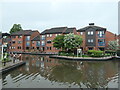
(45, 14)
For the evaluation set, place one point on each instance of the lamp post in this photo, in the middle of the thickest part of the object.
(2, 52)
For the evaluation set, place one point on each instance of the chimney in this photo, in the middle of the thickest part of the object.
(91, 23)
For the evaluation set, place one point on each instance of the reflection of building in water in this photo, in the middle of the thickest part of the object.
(89, 74)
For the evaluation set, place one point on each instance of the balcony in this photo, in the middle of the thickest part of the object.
(101, 43)
(43, 38)
(101, 36)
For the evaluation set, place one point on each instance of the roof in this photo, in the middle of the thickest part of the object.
(37, 38)
(91, 26)
(54, 30)
(23, 32)
(4, 34)
(69, 30)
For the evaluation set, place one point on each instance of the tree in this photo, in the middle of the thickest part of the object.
(15, 28)
(72, 41)
(58, 42)
(113, 45)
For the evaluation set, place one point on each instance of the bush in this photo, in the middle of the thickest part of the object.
(111, 52)
(118, 52)
(95, 53)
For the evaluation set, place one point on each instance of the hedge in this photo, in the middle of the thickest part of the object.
(95, 53)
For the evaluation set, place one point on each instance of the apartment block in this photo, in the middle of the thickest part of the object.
(95, 37)
(48, 36)
(21, 40)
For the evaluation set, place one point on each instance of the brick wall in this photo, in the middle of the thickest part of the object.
(109, 37)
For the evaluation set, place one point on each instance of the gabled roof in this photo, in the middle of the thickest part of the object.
(23, 32)
(69, 30)
(91, 26)
(54, 30)
(37, 38)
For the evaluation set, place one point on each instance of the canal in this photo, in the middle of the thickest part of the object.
(45, 72)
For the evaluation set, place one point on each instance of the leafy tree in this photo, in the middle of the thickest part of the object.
(113, 45)
(15, 28)
(72, 41)
(58, 42)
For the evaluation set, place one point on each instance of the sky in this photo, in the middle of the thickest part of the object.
(45, 14)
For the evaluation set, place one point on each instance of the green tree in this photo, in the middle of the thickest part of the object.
(113, 45)
(58, 42)
(72, 41)
(15, 28)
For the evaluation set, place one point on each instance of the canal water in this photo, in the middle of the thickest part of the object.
(45, 72)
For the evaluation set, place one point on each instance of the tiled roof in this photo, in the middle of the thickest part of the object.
(4, 34)
(91, 26)
(54, 30)
(37, 38)
(23, 32)
(69, 30)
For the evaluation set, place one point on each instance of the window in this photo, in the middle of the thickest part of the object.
(90, 40)
(90, 32)
(13, 42)
(27, 38)
(47, 35)
(37, 48)
(47, 48)
(19, 42)
(38, 43)
(81, 33)
(27, 43)
(32, 47)
(101, 33)
(13, 36)
(43, 37)
(27, 48)
(48, 41)
(19, 36)
(50, 35)
(43, 43)
(50, 48)
(19, 47)
(32, 42)
(90, 48)
(12, 47)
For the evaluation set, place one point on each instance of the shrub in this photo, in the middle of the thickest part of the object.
(118, 52)
(111, 52)
(95, 53)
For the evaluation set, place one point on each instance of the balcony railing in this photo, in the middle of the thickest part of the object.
(101, 43)
(101, 36)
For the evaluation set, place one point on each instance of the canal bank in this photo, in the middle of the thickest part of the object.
(32, 53)
(82, 58)
(10, 66)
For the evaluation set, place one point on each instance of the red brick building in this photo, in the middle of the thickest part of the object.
(35, 44)
(95, 37)
(48, 36)
(4, 40)
(21, 40)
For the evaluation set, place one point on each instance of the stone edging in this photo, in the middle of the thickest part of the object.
(82, 59)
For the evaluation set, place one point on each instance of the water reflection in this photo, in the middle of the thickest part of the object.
(42, 71)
